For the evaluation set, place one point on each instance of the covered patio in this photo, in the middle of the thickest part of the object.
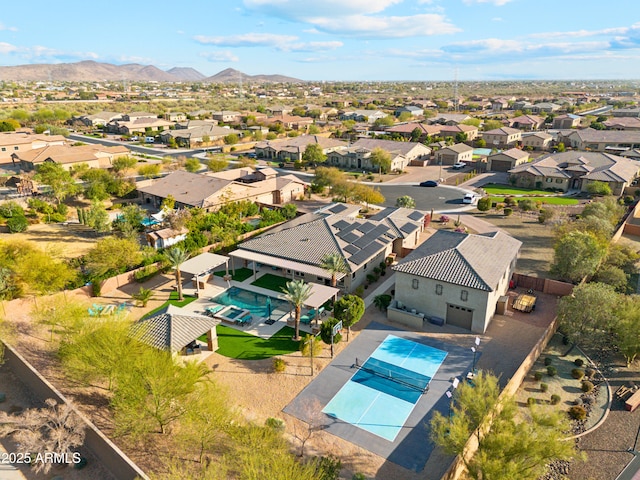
(177, 330)
(288, 267)
(204, 264)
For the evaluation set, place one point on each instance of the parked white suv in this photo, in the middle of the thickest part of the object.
(459, 165)
(470, 199)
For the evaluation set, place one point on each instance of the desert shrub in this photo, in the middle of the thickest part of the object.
(547, 361)
(555, 399)
(145, 273)
(545, 215)
(509, 201)
(552, 371)
(531, 401)
(17, 224)
(577, 373)
(588, 400)
(589, 372)
(538, 376)
(587, 386)
(578, 401)
(579, 362)
(544, 387)
(358, 476)
(508, 211)
(444, 219)
(275, 423)
(578, 412)
(279, 365)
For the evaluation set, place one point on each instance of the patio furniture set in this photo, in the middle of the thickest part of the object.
(98, 310)
(311, 314)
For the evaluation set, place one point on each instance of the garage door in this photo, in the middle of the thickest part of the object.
(500, 166)
(459, 316)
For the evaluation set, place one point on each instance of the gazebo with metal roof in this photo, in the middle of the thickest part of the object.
(204, 264)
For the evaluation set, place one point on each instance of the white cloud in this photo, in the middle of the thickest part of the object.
(389, 27)
(585, 33)
(300, 10)
(497, 3)
(7, 48)
(312, 46)
(248, 40)
(220, 56)
(496, 19)
(4, 27)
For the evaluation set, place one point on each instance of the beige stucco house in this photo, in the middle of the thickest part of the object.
(459, 152)
(505, 161)
(575, 170)
(454, 277)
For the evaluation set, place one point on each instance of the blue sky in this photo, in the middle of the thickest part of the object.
(336, 39)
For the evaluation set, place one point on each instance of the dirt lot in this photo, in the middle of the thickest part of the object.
(536, 253)
(67, 241)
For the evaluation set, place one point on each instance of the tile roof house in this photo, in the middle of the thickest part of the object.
(454, 277)
(453, 131)
(100, 118)
(140, 125)
(537, 140)
(622, 123)
(575, 170)
(194, 136)
(526, 122)
(411, 109)
(449, 118)
(299, 245)
(292, 149)
(506, 160)
(14, 142)
(94, 155)
(406, 129)
(173, 328)
(460, 152)
(211, 191)
(505, 136)
(369, 116)
(358, 155)
(626, 112)
(599, 140)
(567, 121)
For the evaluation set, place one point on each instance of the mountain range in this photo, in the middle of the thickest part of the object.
(91, 71)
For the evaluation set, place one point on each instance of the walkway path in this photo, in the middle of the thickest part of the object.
(477, 224)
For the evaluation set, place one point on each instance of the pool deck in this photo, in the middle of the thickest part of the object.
(409, 449)
(258, 327)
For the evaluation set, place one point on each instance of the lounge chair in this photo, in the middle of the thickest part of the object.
(305, 319)
(215, 309)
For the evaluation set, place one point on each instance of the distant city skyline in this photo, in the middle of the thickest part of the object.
(350, 40)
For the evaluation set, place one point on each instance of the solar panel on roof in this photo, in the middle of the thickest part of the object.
(351, 249)
(416, 215)
(366, 253)
(363, 241)
(351, 237)
(366, 227)
(338, 208)
(378, 231)
(409, 227)
(345, 231)
(341, 225)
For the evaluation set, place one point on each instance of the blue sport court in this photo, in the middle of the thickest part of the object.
(384, 390)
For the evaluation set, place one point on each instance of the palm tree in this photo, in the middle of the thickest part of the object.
(143, 296)
(296, 293)
(334, 264)
(176, 257)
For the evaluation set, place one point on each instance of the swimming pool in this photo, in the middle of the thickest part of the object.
(379, 405)
(256, 303)
(482, 151)
(232, 312)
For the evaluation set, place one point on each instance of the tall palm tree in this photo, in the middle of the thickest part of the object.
(176, 257)
(334, 264)
(296, 293)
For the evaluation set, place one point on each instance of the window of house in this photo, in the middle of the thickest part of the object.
(549, 180)
(4, 149)
(414, 283)
(558, 180)
(464, 295)
(15, 148)
(438, 289)
(353, 275)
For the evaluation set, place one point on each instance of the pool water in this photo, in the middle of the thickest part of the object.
(256, 303)
(232, 312)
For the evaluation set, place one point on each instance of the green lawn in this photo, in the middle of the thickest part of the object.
(272, 282)
(244, 346)
(173, 300)
(497, 189)
(240, 275)
(547, 200)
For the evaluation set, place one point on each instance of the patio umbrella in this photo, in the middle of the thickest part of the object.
(269, 307)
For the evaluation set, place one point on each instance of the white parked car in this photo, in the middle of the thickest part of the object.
(459, 165)
(470, 199)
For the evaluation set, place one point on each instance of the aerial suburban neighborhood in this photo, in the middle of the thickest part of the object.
(257, 276)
